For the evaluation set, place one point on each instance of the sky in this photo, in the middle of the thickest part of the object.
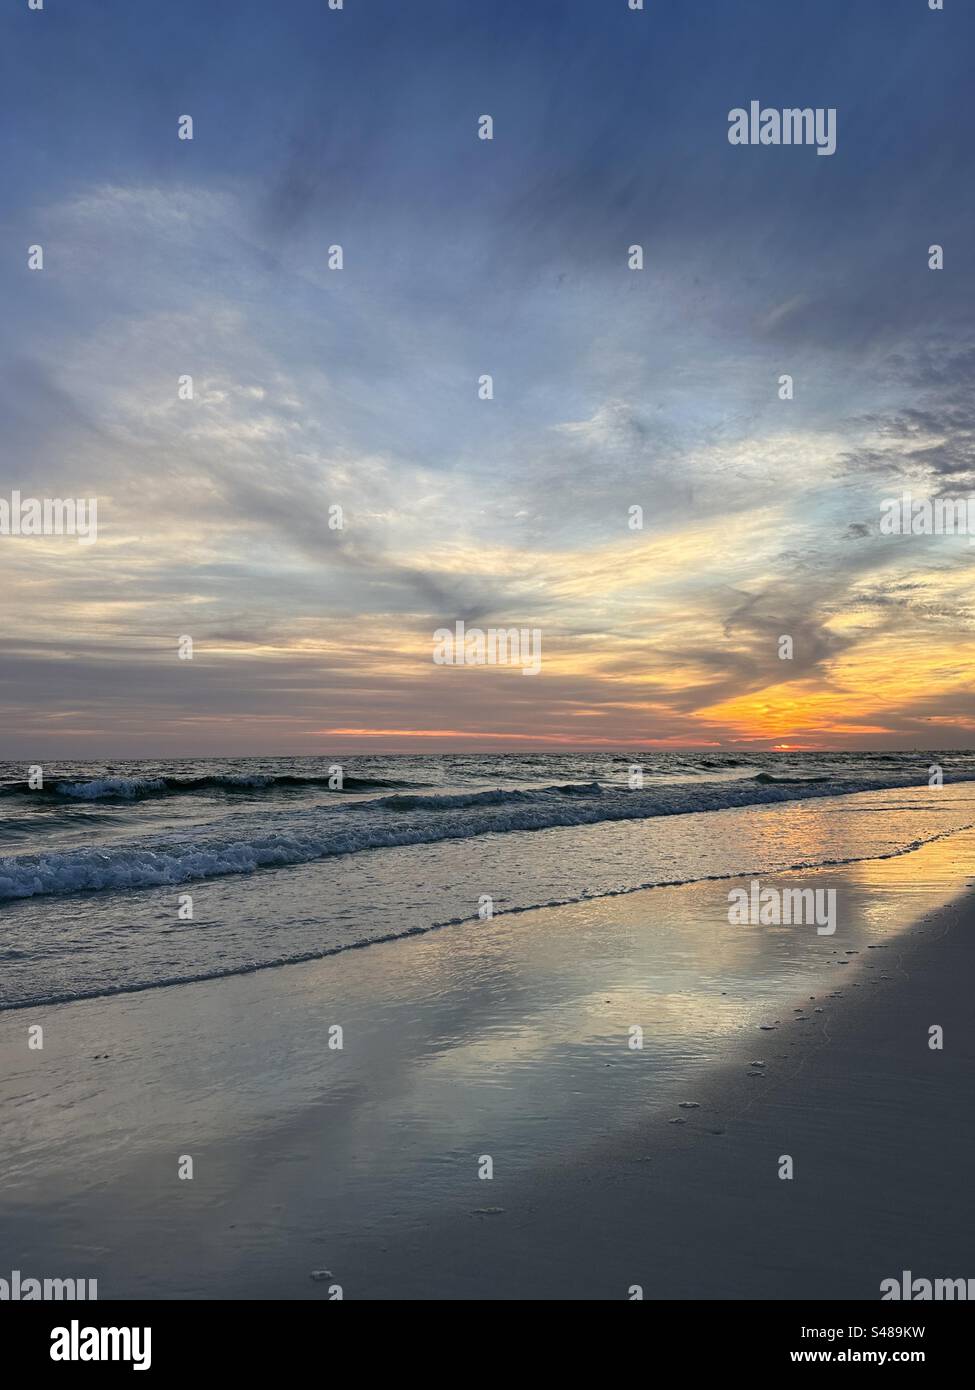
(613, 388)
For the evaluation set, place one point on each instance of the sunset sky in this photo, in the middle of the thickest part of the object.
(358, 387)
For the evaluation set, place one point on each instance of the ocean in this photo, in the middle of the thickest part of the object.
(134, 875)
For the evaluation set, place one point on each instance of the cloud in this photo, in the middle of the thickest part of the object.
(613, 388)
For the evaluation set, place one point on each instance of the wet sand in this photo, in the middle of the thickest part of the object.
(511, 1042)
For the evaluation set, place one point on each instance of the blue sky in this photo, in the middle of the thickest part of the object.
(314, 127)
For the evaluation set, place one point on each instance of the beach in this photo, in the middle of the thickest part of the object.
(352, 1163)
(487, 742)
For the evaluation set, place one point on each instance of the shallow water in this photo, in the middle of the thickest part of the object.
(470, 845)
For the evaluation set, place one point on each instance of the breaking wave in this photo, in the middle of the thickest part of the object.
(139, 788)
(255, 841)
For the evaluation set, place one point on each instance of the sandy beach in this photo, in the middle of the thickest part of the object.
(487, 739)
(318, 1167)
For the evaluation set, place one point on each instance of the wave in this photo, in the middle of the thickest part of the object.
(304, 957)
(141, 788)
(502, 796)
(382, 823)
(769, 777)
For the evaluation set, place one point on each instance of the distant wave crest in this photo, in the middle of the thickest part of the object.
(139, 788)
(768, 778)
(459, 800)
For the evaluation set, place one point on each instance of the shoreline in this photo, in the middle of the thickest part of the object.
(326, 953)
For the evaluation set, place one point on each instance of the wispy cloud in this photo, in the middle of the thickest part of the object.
(613, 389)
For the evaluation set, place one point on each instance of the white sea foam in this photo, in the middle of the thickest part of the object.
(102, 787)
